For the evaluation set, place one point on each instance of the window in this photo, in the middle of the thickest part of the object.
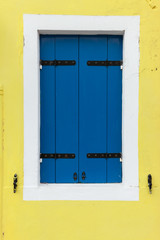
(124, 26)
(81, 109)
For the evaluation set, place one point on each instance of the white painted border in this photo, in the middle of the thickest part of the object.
(53, 24)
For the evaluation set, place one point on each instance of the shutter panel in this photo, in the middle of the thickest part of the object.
(92, 108)
(67, 108)
(47, 109)
(114, 126)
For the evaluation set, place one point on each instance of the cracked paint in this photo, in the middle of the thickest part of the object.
(152, 4)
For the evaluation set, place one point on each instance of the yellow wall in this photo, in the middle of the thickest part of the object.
(87, 220)
(1, 157)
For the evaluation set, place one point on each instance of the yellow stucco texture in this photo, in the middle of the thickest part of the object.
(70, 220)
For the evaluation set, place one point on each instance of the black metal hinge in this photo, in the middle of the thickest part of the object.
(57, 62)
(15, 181)
(104, 155)
(104, 63)
(57, 155)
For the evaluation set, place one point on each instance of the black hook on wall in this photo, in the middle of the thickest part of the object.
(150, 183)
(15, 180)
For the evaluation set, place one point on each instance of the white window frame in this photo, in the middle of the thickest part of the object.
(128, 26)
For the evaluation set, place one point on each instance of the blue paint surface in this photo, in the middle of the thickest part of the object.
(92, 108)
(66, 108)
(114, 113)
(47, 109)
(81, 109)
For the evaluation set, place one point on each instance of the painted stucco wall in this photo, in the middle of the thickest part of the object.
(85, 220)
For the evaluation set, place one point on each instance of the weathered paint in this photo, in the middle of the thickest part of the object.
(86, 220)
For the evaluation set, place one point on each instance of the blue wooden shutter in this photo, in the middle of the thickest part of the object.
(59, 109)
(47, 109)
(100, 109)
(81, 109)
(67, 108)
(114, 113)
(92, 109)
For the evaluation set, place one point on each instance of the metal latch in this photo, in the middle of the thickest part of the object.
(75, 176)
(83, 175)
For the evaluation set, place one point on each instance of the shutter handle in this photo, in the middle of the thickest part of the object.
(75, 176)
(83, 175)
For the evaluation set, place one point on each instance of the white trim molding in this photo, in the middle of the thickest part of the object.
(128, 26)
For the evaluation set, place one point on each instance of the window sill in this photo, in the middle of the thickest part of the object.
(111, 192)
